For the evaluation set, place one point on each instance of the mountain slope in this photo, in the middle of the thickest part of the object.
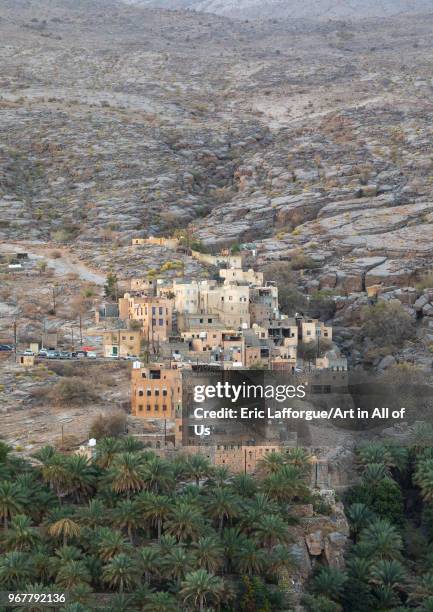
(317, 9)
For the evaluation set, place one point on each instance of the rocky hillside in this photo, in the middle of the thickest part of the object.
(309, 9)
(312, 140)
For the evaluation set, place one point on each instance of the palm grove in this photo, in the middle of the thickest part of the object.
(149, 533)
(160, 536)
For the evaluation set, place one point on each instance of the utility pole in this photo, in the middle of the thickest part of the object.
(54, 300)
(81, 330)
(15, 340)
(72, 333)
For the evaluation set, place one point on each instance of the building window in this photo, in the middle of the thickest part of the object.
(140, 393)
(161, 322)
(161, 311)
(156, 407)
(164, 408)
(148, 392)
(156, 392)
(140, 407)
(164, 392)
(148, 407)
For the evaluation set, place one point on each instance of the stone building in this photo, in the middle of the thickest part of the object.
(155, 315)
(122, 343)
(156, 391)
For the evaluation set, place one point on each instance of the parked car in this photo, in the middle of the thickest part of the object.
(79, 354)
(43, 353)
(28, 352)
(131, 358)
(65, 355)
(6, 347)
(91, 355)
(53, 354)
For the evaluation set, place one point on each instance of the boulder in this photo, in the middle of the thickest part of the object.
(386, 362)
(335, 549)
(315, 542)
(420, 303)
(427, 310)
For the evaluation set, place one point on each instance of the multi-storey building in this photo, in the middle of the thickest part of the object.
(156, 391)
(154, 313)
(312, 330)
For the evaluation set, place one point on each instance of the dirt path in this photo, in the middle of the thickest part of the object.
(66, 264)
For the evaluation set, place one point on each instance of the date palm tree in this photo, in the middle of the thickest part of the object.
(299, 458)
(249, 559)
(15, 570)
(359, 516)
(199, 467)
(209, 553)
(388, 572)
(232, 539)
(12, 501)
(109, 543)
(385, 598)
(254, 509)
(72, 574)
(244, 485)
(329, 582)
(271, 530)
(280, 559)
(106, 451)
(81, 476)
(121, 573)
(373, 452)
(35, 587)
(177, 563)
(132, 445)
(149, 562)
(179, 467)
(21, 535)
(156, 508)
(285, 485)
(185, 522)
(375, 473)
(63, 527)
(161, 602)
(127, 516)
(55, 473)
(157, 475)
(424, 478)
(380, 539)
(423, 589)
(62, 556)
(93, 515)
(271, 463)
(126, 473)
(219, 476)
(199, 587)
(223, 505)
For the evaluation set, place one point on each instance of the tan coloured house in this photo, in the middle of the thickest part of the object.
(154, 313)
(313, 329)
(156, 391)
(122, 343)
